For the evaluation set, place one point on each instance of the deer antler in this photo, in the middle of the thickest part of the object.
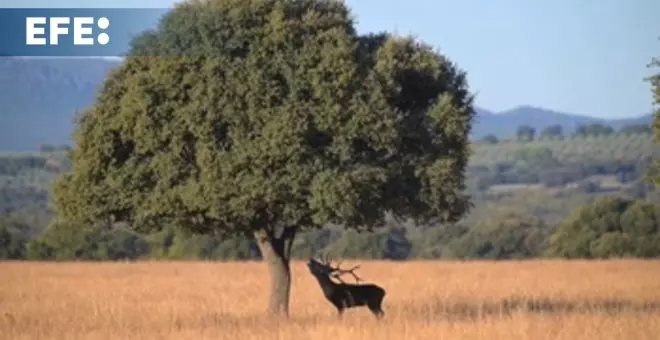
(338, 272)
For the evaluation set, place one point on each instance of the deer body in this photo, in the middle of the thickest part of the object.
(343, 295)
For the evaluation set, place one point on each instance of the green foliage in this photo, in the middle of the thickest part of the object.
(435, 242)
(614, 244)
(237, 247)
(176, 243)
(608, 227)
(398, 245)
(160, 242)
(552, 132)
(311, 243)
(535, 158)
(641, 219)
(594, 130)
(510, 236)
(620, 148)
(186, 246)
(12, 166)
(636, 129)
(356, 245)
(234, 116)
(12, 240)
(62, 242)
(525, 133)
(119, 244)
(655, 88)
(25, 180)
(65, 242)
(499, 228)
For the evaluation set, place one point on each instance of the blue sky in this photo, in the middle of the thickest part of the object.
(580, 56)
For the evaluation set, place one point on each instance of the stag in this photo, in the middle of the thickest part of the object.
(343, 295)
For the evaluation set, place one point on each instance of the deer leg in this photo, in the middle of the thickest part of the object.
(376, 311)
(340, 312)
(376, 308)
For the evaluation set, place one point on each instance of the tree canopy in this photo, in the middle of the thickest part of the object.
(281, 114)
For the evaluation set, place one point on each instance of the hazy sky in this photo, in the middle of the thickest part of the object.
(580, 56)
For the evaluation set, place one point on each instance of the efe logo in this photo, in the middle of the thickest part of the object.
(83, 29)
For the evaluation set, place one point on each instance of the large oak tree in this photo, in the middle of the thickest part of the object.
(269, 117)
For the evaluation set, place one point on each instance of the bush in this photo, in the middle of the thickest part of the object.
(510, 236)
(608, 227)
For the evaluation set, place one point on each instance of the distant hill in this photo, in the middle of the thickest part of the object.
(39, 99)
(504, 124)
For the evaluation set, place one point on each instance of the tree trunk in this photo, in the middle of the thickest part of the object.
(276, 251)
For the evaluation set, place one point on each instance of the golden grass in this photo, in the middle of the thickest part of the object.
(538, 300)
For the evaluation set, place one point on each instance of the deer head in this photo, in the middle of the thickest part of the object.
(323, 266)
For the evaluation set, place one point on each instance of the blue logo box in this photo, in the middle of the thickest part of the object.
(102, 32)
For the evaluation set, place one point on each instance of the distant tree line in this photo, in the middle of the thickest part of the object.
(608, 227)
(526, 133)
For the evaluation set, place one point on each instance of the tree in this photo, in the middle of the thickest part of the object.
(525, 133)
(598, 129)
(552, 132)
(593, 129)
(271, 118)
(537, 159)
(12, 244)
(581, 131)
(655, 85)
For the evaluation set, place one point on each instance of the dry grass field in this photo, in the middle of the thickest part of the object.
(538, 300)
